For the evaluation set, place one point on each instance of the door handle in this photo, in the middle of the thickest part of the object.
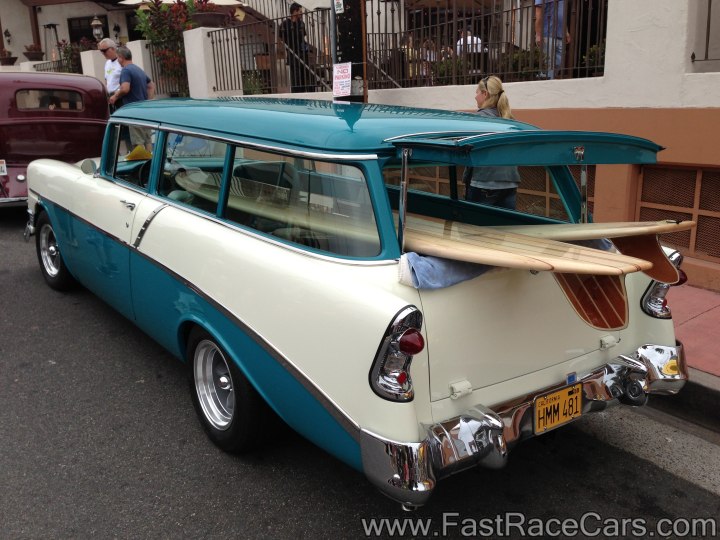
(128, 204)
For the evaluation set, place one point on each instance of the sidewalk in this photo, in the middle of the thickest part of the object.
(696, 313)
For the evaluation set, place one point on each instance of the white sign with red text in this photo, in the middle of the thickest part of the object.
(342, 79)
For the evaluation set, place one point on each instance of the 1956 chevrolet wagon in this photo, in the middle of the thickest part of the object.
(320, 259)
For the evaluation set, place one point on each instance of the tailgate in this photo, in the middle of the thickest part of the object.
(503, 324)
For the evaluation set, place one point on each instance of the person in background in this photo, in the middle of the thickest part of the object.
(551, 33)
(135, 86)
(468, 43)
(108, 48)
(292, 32)
(496, 186)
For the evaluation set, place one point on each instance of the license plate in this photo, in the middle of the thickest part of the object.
(558, 408)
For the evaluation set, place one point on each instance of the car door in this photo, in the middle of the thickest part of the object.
(102, 237)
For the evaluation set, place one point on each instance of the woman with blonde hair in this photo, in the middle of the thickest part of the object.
(496, 186)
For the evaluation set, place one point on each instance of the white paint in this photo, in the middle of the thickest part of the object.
(200, 65)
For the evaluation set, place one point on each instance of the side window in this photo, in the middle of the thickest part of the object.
(49, 99)
(193, 170)
(133, 155)
(321, 205)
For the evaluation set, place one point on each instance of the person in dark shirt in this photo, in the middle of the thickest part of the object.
(135, 86)
(292, 32)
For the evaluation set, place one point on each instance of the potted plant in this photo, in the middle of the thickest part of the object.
(594, 60)
(206, 14)
(34, 52)
(6, 57)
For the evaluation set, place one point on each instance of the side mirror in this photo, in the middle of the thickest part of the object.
(88, 166)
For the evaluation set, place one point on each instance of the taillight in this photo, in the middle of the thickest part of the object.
(653, 301)
(390, 372)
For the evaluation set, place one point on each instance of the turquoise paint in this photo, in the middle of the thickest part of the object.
(308, 124)
(96, 260)
(163, 303)
(533, 148)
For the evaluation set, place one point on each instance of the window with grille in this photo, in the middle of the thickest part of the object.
(684, 194)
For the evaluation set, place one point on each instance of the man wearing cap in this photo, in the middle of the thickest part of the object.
(112, 69)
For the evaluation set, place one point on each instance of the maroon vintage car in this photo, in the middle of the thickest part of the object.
(46, 115)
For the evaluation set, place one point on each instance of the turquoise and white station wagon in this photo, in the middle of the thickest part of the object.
(320, 259)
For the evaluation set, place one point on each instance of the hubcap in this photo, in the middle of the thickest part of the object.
(214, 384)
(49, 252)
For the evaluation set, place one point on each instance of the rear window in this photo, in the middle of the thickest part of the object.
(536, 195)
(48, 99)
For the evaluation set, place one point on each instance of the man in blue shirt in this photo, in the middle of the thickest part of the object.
(550, 33)
(135, 85)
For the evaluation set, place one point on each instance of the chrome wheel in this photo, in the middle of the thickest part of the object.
(49, 252)
(213, 384)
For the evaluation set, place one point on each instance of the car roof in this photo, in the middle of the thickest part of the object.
(312, 124)
(15, 80)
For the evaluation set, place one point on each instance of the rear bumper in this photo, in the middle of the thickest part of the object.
(408, 472)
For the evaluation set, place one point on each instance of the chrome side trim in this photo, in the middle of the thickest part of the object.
(149, 219)
(269, 240)
(408, 472)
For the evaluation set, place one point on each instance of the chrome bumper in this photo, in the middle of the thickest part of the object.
(407, 472)
(29, 226)
(13, 201)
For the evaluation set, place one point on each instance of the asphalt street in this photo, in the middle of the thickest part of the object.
(98, 438)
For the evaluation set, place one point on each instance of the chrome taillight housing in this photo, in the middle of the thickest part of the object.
(390, 372)
(653, 301)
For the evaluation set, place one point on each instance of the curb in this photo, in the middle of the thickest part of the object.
(698, 402)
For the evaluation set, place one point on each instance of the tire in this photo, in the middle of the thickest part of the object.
(228, 406)
(51, 262)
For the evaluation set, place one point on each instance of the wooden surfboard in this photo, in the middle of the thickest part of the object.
(491, 246)
(591, 231)
(634, 239)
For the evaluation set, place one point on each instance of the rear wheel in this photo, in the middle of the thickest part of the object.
(230, 409)
(51, 262)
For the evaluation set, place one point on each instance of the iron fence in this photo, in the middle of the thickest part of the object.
(254, 57)
(59, 66)
(428, 43)
(169, 68)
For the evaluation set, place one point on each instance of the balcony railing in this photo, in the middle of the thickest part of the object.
(431, 43)
(59, 66)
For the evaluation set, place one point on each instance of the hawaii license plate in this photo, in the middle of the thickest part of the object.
(558, 408)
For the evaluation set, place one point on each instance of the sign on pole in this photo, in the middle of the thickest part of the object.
(342, 79)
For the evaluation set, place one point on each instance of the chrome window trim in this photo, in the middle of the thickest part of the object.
(423, 133)
(142, 123)
(260, 146)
